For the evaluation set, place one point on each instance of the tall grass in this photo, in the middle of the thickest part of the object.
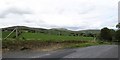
(47, 37)
(40, 36)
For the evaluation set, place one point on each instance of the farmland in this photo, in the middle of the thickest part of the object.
(46, 37)
(26, 33)
(38, 38)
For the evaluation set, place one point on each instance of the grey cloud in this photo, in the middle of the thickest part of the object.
(27, 21)
(14, 11)
(38, 22)
(77, 27)
(79, 10)
(47, 25)
(86, 11)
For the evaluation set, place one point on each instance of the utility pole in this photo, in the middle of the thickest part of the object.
(94, 37)
(59, 33)
(16, 32)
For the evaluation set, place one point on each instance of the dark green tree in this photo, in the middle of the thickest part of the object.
(117, 35)
(118, 26)
(90, 35)
(112, 31)
(105, 34)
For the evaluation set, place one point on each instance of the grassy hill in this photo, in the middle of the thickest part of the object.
(90, 31)
(55, 34)
(39, 38)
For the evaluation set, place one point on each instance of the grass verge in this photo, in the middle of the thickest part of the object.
(78, 45)
(11, 45)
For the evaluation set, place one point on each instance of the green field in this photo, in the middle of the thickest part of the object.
(41, 40)
(45, 37)
(38, 38)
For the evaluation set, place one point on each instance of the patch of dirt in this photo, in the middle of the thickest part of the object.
(35, 45)
(49, 48)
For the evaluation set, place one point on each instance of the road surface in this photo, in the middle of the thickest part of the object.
(102, 51)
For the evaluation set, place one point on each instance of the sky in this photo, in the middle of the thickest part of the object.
(69, 14)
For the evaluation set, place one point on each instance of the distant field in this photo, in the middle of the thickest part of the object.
(40, 41)
(39, 38)
(4, 34)
(46, 37)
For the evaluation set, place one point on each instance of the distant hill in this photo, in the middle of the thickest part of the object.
(54, 31)
(90, 31)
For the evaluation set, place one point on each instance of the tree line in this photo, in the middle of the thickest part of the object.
(107, 34)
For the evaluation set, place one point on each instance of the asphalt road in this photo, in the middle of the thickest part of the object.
(102, 51)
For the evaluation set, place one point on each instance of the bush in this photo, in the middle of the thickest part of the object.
(105, 34)
(117, 35)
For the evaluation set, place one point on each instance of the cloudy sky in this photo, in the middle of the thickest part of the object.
(70, 14)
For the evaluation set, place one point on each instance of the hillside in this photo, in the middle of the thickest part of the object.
(39, 38)
(90, 31)
(53, 29)
(48, 34)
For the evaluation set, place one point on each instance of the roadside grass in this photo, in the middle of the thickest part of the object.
(79, 45)
(40, 41)
(11, 45)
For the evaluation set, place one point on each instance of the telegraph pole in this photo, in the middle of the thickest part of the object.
(16, 32)
(94, 37)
